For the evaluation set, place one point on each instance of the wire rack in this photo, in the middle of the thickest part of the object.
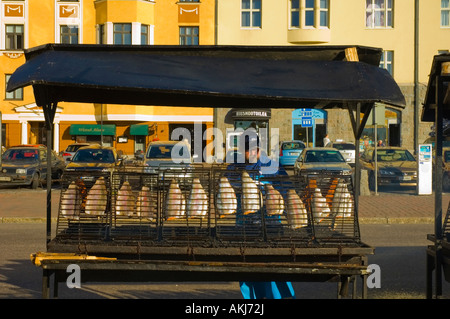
(206, 206)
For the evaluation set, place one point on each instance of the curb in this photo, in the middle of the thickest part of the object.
(395, 220)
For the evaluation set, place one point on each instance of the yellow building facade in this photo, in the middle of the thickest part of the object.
(387, 24)
(28, 23)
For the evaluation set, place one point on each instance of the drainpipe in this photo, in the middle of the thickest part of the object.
(416, 76)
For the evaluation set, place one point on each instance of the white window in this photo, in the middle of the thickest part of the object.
(445, 13)
(387, 61)
(251, 13)
(303, 13)
(379, 13)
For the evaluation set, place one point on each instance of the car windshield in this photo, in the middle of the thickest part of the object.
(20, 155)
(344, 146)
(93, 156)
(73, 148)
(165, 151)
(394, 155)
(324, 156)
(292, 146)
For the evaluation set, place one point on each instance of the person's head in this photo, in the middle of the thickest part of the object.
(251, 148)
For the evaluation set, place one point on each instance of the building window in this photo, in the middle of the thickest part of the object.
(306, 16)
(445, 13)
(144, 34)
(324, 9)
(189, 35)
(69, 34)
(101, 34)
(379, 13)
(189, 0)
(387, 61)
(14, 95)
(295, 13)
(122, 33)
(14, 37)
(251, 13)
(309, 13)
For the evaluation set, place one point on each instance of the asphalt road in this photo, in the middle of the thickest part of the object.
(399, 252)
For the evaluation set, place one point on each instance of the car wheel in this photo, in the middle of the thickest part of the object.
(35, 181)
(372, 181)
(446, 183)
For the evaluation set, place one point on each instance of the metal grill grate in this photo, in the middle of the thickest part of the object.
(207, 206)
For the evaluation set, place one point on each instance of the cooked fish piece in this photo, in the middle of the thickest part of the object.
(197, 200)
(175, 202)
(342, 205)
(319, 206)
(251, 195)
(274, 201)
(146, 205)
(70, 203)
(297, 215)
(226, 201)
(125, 201)
(97, 198)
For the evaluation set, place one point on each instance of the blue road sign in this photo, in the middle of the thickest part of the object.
(306, 121)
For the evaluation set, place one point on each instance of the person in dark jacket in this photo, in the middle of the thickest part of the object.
(254, 161)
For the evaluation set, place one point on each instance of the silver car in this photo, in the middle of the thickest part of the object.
(321, 159)
(70, 151)
(347, 150)
(167, 158)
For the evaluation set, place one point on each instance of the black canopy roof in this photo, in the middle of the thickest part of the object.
(206, 76)
(430, 104)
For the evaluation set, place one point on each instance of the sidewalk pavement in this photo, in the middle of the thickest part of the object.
(24, 205)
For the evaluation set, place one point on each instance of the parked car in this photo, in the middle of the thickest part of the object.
(347, 151)
(321, 159)
(290, 151)
(68, 153)
(395, 165)
(446, 169)
(167, 155)
(26, 165)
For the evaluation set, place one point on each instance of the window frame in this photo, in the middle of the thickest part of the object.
(145, 34)
(383, 12)
(70, 34)
(189, 36)
(122, 33)
(445, 10)
(387, 61)
(16, 95)
(251, 11)
(15, 36)
(316, 10)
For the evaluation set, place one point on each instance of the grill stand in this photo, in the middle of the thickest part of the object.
(179, 271)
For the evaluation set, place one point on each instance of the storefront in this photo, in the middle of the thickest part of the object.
(93, 133)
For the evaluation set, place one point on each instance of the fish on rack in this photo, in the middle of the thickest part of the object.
(146, 205)
(251, 195)
(226, 201)
(297, 215)
(319, 206)
(175, 202)
(97, 198)
(125, 201)
(342, 205)
(70, 203)
(274, 201)
(197, 205)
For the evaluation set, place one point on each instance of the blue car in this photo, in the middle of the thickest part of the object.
(289, 151)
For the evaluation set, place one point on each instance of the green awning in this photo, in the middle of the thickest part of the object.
(92, 129)
(139, 129)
